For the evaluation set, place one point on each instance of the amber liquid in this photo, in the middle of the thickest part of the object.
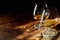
(46, 17)
(37, 17)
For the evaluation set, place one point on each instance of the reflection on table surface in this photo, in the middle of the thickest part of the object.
(18, 31)
(30, 32)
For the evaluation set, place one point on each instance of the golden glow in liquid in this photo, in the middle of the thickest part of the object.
(37, 17)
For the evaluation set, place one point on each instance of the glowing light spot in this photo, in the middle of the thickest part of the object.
(27, 30)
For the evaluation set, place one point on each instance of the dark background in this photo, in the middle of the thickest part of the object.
(24, 6)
